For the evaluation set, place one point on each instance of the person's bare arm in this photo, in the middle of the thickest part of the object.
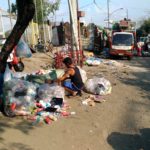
(68, 73)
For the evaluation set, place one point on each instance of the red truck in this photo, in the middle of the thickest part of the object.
(123, 41)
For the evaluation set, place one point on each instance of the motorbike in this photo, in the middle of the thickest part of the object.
(146, 49)
(13, 60)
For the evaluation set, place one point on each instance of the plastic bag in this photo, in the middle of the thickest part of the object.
(7, 74)
(93, 61)
(20, 94)
(60, 72)
(98, 86)
(83, 75)
(53, 75)
(47, 92)
(18, 89)
(23, 50)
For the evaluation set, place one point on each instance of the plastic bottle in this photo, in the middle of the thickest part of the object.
(48, 120)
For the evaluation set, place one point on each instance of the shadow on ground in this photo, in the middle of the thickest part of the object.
(141, 79)
(19, 124)
(15, 146)
(13, 123)
(121, 141)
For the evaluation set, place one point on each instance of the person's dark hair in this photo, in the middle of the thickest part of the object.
(67, 61)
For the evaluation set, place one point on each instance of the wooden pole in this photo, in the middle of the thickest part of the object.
(80, 56)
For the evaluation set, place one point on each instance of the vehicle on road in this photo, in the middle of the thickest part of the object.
(142, 40)
(146, 47)
(123, 41)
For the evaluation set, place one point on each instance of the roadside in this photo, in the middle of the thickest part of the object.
(120, 123)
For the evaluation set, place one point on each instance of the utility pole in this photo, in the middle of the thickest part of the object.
(127, 14)
(108, 18)
(10, 14)
(41, 4)
(1, 24)
(79, 37)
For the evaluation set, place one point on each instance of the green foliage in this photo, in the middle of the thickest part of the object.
(13, 8)
(47, 9)
(144, 30)
(116, 27)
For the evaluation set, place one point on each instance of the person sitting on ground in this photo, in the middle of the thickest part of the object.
(75, 85)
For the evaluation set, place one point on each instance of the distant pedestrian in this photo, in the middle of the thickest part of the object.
(139, 49)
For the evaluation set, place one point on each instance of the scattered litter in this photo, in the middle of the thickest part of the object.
(92, 99)
(114, 63)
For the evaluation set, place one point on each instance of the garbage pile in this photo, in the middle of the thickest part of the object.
(40, 102)
(93, 61)
(98, 88)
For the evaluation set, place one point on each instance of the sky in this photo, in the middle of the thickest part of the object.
(97, 13)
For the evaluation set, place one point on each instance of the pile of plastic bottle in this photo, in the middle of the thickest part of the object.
(40, 103)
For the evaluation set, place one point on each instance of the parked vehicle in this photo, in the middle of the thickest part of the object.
(142, 40)
(146, 47)
(123, 41)
(122, 44)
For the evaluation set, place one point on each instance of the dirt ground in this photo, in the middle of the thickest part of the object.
(122, 122)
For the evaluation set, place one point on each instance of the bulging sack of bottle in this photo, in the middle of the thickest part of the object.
(46, 92)
(20, 92)
(24, 88)
(83, 75)
(58, 92)
(98, 86)
(9, 85)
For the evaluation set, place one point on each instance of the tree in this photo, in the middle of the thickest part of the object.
(144, 29)
(116, 27)
(146, 26)
(47, 8)
(13, 8)
(25, 9)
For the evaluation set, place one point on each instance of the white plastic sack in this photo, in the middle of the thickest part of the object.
(23, 50)
(98, 86)
(60, 72)
(7, 74)
(92, 61)
(83, 74)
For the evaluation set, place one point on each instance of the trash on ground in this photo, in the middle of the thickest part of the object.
(93, 61)
(98, 86)
(114, 63)
(40, 102)
(83, 74)
(91, 100)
